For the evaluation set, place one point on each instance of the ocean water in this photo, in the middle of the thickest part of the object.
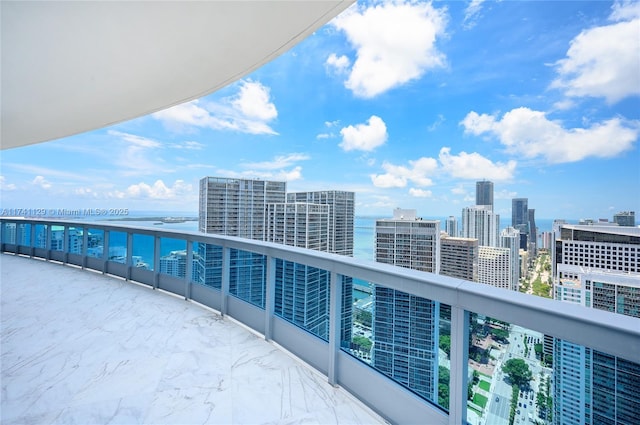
(364, 229)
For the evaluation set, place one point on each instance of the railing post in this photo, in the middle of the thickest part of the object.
(48, 242)
(224, 287)
(458, 366)
(269, 304)
(188, 271)
(85, 247)
(156, 262)
(65, 244)
(335, 315)
(129, 256)
(105, 250)
(32, 242)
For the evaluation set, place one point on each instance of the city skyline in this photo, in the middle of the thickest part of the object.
(464, 99)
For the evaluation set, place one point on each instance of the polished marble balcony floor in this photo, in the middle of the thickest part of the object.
(82, 348)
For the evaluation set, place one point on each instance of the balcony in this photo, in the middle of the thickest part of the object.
(180, 336)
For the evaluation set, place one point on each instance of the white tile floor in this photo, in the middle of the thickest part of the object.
(83, 348)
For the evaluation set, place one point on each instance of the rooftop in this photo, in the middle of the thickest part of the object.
(81, 347)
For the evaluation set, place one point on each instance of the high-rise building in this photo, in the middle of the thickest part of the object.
(510, 238)
(405, 327)
(597, 267)
(451, 226)
(237, 207)
(494, 267)
(408, 241)
(484, 193)
(625, 218)
(341, 216)
(479, 222)
(533, 233)
(299, 224)
(520, 220)
(519, 211)
(257, 209)
(459, 257)
(340, 208)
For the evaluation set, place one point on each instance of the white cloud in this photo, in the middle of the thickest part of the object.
(437, 123)
(472, 14)
(420, 193)
(603, 61)
(248, 111)
(253, 101)
(41, 182)
(325, 136)
(339, 64)
(505, 194)
(159, 190)
(459, 190)
(6, 186)
(394, 43)
(134, 140)
(187, 145)
(531, 134)
(417, 172)
(474, 166)
(278, 162)
(365, 137)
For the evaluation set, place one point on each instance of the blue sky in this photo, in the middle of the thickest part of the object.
(407, 104)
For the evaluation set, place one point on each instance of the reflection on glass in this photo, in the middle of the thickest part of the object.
(247, 276)
(509, 379)
(207, 260)
(23, 234)
(57, 238)
(41, 235)
(302, 296)
(117, 247)
(74, 240)
(95, 243)
(173, 257)
(9, 233)
(403, 336)
(143, 251)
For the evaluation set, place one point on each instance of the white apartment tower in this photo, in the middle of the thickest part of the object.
(406, 327)
(510, 238)
(341, 216)
(480, 222)
(237, 207)
(494, 267)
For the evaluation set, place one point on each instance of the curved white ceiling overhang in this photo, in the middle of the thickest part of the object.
(71, 67)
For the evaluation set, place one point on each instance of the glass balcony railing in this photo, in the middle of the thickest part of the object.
(415, 347)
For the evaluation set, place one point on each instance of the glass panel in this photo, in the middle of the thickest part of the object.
(23, 234)
(143, 251)
(302, 296)
(509, 381)
(398, 334)
(41, 235)
(57, 238)
(9, 233)
(207, 265)
(247, 276)
(173, 257)
(74, 240)
(118, 246)
(95, 243)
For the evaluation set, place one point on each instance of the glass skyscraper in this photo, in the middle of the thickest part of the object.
(484, 193)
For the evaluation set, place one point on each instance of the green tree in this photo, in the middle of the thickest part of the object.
(500, 334)
(445, 344)
(443, 386)
(518, 372)
(364, 343)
